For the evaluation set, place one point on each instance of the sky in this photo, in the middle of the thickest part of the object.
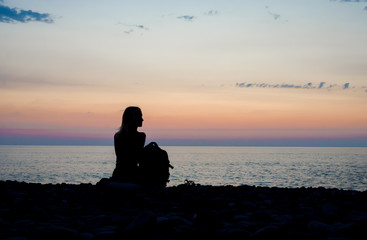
(231, 73)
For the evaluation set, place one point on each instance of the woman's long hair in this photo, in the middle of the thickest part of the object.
(129, 118)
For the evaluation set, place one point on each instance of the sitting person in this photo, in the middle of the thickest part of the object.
(147, 166)
(129, 144)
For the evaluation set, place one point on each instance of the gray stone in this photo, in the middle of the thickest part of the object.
(57, 232)
(15, 238)
(124, 187)
(116, 219)
(268, 202)
(105, 235)
(318, 226)
(86, 236)
(329, 209)
(161, 219)
(241, 218)
(267, 233)
(143, 220)
(174, 221)
(233, 233)
(110, 228)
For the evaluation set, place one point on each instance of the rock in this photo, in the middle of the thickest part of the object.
(208, 218)
(247, 225)
(284, 219)
(261, 216)
(124, 211)
(116, 219)
(174, 221)
(231, 204)
(142, 221)
(344, 229)
(111, 228)
(86, 236)
(105, 235)
(160, 220)
(124, 187)
(24, 222)
(268, 202)
(57, 232)
(268, 232)
(321, 227)
(15, 238)
(241, 218)
(248, 205)
(329, 210)
(233, 233)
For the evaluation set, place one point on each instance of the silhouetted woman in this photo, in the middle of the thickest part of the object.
(129, 144)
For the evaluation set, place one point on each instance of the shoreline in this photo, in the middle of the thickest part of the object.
(126, 211)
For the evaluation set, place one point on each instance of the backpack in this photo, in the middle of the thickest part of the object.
(154, 166)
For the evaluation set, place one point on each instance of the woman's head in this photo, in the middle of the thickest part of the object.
(132, 119)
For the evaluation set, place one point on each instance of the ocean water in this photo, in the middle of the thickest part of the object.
(342, 168)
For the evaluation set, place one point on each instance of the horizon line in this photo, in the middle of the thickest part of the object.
(164, 145)
(356, 141)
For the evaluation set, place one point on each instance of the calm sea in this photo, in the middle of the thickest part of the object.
(343, 168)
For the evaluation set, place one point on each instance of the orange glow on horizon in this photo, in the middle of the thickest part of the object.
(225, 113)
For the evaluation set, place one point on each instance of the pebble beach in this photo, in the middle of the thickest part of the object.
(111, 210)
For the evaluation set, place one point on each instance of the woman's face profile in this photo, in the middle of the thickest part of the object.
(139, 119)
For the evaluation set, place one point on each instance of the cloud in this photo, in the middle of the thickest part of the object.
(309, 85)
(356, 1)
(275, 16)
(187, 17)
(351, 1)
(212, 13)
(134, 28)
(13, 15)
(142, 27)
(321, 84)
(129, 31)
(265, 85)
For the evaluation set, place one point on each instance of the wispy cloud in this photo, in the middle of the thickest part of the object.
(187, 17)
(351, 1)
(356, 1)
(142, 27)
(190, 18)
(274, 15)
(321, 85)
(131, 28)
(13, 15)
(212, 13)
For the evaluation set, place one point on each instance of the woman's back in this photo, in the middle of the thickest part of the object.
(128, 146)
(128, 149)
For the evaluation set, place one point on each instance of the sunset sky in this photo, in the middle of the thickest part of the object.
(242, 73)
